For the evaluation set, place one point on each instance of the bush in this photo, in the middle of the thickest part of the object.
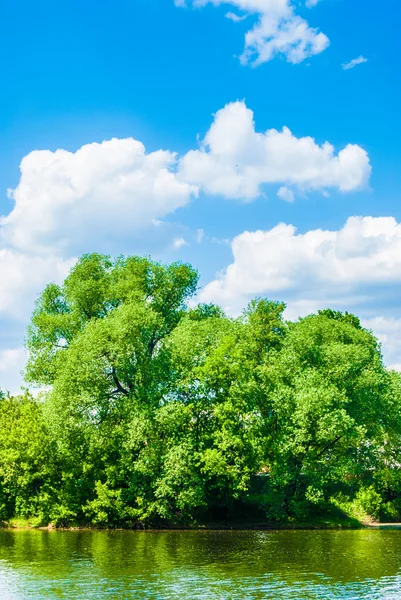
(369, 501)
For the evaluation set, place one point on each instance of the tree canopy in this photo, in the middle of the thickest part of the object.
(154, 409)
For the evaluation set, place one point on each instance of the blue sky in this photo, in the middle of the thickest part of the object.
(81, 73)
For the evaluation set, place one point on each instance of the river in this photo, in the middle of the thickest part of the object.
(200, 564)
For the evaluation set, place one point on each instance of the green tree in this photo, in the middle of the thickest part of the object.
(99, 340)
(217, 361)
(329, 405)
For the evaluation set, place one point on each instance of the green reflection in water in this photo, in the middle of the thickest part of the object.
(200, 564)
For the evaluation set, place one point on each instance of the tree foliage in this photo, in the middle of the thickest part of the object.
(158, 410)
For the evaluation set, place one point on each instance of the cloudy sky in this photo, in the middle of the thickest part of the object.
(257, 139)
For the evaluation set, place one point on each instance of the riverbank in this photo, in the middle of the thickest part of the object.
(313, 524)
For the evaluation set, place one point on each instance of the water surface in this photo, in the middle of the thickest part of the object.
(200, 564)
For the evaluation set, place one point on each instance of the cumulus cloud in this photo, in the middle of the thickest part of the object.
(113, 190)
(235, 161)
(354, 62)
(316, 267)
(107, 190)
(278, 31)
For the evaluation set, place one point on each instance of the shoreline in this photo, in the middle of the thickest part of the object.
(307, 526)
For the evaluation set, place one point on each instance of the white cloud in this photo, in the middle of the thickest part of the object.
(290, 37)
(279, 31)
(108, 190)
(113, 190)
(235, 161)
(318, 268)
(179, 243)
(234, 17)
(284, 193)
(354, 62)
(311, 3)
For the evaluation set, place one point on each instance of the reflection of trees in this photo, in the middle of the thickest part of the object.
(159, 561)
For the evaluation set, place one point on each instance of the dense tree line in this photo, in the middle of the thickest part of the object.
(153, 410)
